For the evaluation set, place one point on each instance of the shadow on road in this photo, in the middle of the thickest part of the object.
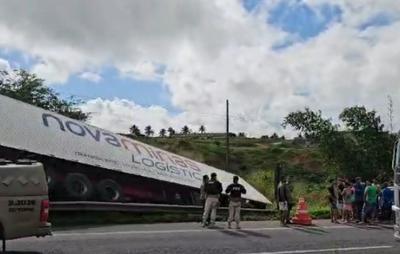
(370, 227)
(233, 233)
(22, 252)
(313, 230)
(254, 233)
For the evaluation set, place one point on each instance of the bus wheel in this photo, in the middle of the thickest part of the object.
(109, 190)
(78, 186)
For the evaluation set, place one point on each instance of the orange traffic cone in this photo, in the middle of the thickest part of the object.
(302, 216)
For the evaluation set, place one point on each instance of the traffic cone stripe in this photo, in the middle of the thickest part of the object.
(302, 216)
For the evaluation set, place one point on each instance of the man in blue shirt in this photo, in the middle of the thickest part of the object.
(388, 198)
(358, 198)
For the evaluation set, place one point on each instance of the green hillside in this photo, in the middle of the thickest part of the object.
(255, 160)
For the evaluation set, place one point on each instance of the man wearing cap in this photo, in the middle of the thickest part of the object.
(235, 191)
(213, 191)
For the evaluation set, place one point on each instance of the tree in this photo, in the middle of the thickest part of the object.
(372, 144)
(363, 149)
(185, 130)
(202, 129)
(359, 119)
(171, 131)
(309, 123)
(28, 88)
(242, 134)
(163, 132)
(148, 131)
(135, 131)
(274, 136)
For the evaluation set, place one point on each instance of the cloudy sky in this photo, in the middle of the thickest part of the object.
(175, 62)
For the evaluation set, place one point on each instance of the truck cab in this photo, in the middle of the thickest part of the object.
(396, 206)
(24, 202)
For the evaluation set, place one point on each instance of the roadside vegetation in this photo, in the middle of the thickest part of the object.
(358, 146)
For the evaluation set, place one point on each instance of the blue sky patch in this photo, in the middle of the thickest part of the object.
(17, 59)
(381, 19)
(296, 17)
(112, 85)
(251, 5)
(144, 93)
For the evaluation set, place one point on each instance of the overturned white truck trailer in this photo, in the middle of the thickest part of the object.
(83, 162)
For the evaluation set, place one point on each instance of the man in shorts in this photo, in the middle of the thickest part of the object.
(283, 201)
(370, 197)
(333, 200)
(347, 202)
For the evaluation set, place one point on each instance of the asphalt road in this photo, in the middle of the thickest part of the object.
(255, 237)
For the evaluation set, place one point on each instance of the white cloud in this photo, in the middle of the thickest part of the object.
(4, 65)
(213, 50)
(91, 76)
(141, 71)
(119, 115)
(6, 71)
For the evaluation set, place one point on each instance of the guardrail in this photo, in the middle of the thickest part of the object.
(140, 207)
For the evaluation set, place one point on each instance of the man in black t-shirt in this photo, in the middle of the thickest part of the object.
(235, 191)
(213, 189)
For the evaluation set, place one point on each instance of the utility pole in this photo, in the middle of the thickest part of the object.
(390, 113)
(227, 136)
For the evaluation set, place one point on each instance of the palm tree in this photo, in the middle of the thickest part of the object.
(185, 130)
(274, 136)
(171, 131)
(162, 132)
(135, 130)
(202, 129)
(148, 131)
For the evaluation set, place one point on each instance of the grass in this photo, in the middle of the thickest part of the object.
(255, 160)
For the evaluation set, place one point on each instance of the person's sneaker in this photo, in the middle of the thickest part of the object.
(238, 227)
(229, 225)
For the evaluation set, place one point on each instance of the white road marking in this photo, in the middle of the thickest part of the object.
(142, 232)
(327, 250)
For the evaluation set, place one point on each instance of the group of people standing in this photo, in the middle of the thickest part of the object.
(359, 201)
(210, 194)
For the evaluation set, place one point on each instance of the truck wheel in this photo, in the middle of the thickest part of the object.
(78, 186)
(109, 190)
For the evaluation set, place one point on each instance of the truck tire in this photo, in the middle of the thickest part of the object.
(78, 186)
(109, 191)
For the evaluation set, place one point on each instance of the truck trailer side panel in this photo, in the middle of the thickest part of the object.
(28, 128)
